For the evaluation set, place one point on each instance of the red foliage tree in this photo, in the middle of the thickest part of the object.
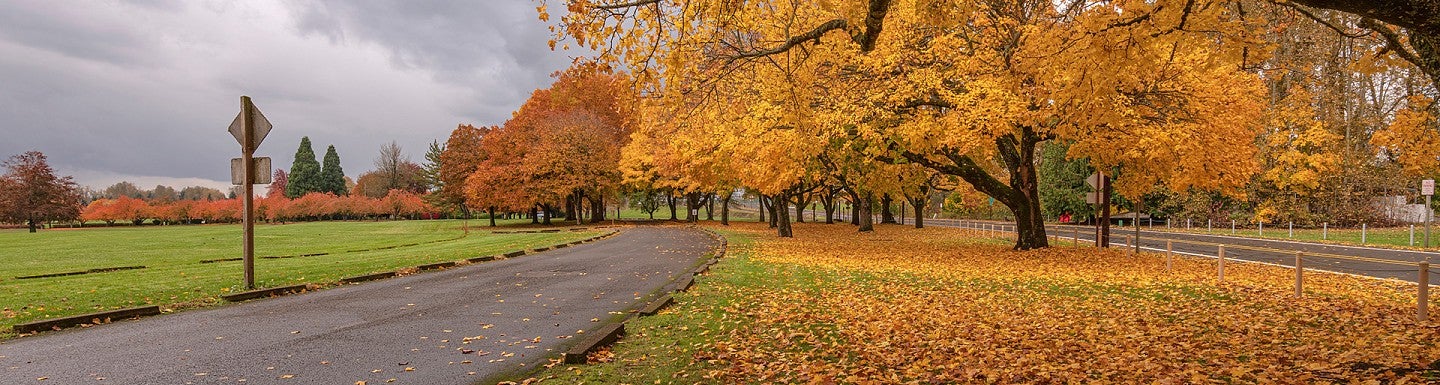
(31, 193)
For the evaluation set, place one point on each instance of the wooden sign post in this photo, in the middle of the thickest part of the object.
(249, 128)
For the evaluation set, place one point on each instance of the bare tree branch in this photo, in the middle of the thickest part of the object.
(635, 3)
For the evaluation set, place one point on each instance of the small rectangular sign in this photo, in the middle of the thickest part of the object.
(261, 171)
(1427, 187)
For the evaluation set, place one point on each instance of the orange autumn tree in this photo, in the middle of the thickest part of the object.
(1157, 89)
(462, 154)
(560, 150)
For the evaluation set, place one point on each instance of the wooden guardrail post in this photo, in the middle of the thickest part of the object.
(1299, 274)
(1422, 295)
(1221, 264)
(1075, 236)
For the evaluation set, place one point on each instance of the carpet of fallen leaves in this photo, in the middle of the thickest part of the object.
(940, 305)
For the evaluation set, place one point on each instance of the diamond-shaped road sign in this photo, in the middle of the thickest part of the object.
(262, 128)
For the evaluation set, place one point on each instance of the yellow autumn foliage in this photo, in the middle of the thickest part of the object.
(947, 306)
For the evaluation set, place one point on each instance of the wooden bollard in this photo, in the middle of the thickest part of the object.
(1169, 254)
(1221, 264)
(1422, 295)
(1299, 274)
(1076, 236)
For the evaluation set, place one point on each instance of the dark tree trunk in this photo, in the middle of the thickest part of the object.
(774, 207)
(800, 202)
(710, 207)
(549, 213)
(1021, 195)
(782, 228)
(671, 201)
(597, 209)
(885, 215)
(725, 210)
(692, 207)
(854, 209)
(492, 216)
(535, 215)
(763, 207)
(919, 204)
(827, 201)
(31, 222)
(863, 214)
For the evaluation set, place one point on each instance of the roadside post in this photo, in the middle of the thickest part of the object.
(1102, 206)
(1299, 274)
(1422, 293)
(1427, 188)
(249, 128)
(1220, 264)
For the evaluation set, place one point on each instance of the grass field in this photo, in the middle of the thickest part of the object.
(941, 306)
(176, 278)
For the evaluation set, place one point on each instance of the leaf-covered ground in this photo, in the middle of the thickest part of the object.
(940, 306)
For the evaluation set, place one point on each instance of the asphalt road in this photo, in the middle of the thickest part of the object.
(1368, 261)
(514, 313)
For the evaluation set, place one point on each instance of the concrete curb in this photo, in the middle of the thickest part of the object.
(434, 266)
(605, 335)
(657, 305)
(277, 291)
(369, 277)
(684, 283)
(92, 318)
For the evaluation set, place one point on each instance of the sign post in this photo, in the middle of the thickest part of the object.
(1427, 188)
(249, 128)
(1102, 207)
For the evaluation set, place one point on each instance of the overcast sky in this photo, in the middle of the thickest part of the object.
(144, 90)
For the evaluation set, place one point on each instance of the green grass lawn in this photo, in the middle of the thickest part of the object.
(176, 278)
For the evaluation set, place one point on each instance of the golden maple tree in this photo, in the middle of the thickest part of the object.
(1157, 89)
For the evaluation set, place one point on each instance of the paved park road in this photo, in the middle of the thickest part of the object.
(410, 329)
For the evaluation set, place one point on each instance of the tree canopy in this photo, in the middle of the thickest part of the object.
(31, 193)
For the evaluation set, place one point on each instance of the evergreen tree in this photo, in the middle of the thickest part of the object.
(1062, 182)
(332, 177)
(304, 172)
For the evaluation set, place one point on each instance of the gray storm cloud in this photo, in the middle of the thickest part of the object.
(144, 90)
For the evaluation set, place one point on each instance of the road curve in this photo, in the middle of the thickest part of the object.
(411, 329)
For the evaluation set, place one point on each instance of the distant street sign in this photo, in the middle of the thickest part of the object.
(262, 128)
(1092, 198)
(1093, 180)
(1427, 187)
(261, 171)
